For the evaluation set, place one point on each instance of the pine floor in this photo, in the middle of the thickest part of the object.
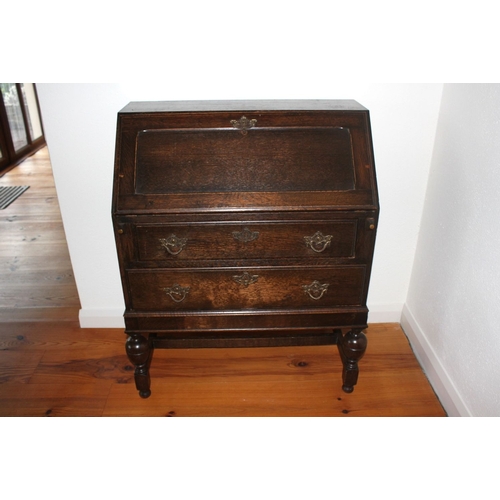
(51, 367)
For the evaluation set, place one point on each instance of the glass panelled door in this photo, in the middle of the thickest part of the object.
(21, 131)
(31, 106)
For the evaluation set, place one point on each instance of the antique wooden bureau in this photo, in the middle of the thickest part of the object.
(244, 223)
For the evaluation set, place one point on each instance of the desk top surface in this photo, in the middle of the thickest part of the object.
(243, 105)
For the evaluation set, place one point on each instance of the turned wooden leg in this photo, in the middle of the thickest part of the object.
(352, 347)
(139, 351)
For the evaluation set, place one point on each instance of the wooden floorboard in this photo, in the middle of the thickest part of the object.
(35, 268)
(58, 369)
(49, 366)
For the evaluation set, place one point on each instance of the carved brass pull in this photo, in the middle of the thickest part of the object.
(246, 235)
(246, 279)
(316, 290)
(318, 242)
(173, 245)
(177, 293)
(243, 124)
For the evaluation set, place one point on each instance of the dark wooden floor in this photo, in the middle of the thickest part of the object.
(51, 367)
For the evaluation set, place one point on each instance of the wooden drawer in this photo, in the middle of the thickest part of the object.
(222, 241)
(246, 288)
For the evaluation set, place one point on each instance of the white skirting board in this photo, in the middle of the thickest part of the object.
(101, 318)
(437, 375)
(384, 313)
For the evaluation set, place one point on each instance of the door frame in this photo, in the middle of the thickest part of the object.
(10, 157)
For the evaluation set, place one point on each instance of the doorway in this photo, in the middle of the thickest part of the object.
(21, 129)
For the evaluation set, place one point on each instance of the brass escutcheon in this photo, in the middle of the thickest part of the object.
(246, 279)
(243, 124)
(246, 235)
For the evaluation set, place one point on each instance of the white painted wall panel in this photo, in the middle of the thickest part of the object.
(454, 294)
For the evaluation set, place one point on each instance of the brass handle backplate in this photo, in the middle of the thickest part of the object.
(177, 292)
(318, 242)
(173, 245)
(316, 290)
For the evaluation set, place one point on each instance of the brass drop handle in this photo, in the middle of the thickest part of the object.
(173, 245)
(177, 293)
(316, 290)
(318, 242)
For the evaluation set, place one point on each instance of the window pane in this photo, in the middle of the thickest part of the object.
(14, 115)
(32, 110)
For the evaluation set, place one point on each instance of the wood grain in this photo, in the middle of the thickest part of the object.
(56, 368)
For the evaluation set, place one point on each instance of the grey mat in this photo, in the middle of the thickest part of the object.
(10, 193)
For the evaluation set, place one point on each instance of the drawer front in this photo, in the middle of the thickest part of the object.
(246, 288)
(219, 241)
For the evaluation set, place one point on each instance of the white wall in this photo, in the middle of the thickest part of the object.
(453, 304)
(80, 126)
